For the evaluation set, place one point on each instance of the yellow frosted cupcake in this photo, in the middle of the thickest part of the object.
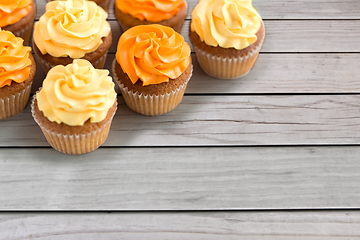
(75, 107)
(17, 16)
(152, 68)
(227, 36)
(171, 13)
(17, 70)
(71, 30)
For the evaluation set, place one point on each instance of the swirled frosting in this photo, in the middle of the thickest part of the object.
(226, 23)
(151, 10)
(14, 59)
(77, 92)
(12, 11)
(153, 53)
(71, 28)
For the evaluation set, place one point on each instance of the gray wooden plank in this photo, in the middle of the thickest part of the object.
(294, 36)
(221, 120)
(203, 225)
(275, 73)
(279, 9)
(312, 72)
(201, 178)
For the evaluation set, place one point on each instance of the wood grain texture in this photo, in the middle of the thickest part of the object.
(221, 120)
(293, 36)
(274, 73)
(181, 179)
(203, 225)
(279, 9)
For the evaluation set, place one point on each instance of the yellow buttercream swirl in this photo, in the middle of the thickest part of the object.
(226, 23)
(11, 11)
(71, 28)
(77, 92)
(153, 53)
(151, 10)
(14, 59)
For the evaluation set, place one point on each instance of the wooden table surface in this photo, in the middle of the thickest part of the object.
(275, 154)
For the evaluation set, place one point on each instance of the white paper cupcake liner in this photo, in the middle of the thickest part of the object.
(227, 67)
(98, 64)
(25, 33)
(74, 143)
(14, 104)
(151, 104)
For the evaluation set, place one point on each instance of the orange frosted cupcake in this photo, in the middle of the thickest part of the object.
(102, 3)
(227, 36)
(17, 16)
(70, 30)
(75, 107)
(152, 68)
(17, 70)
(171, 13)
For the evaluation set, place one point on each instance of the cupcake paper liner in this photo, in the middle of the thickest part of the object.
(227, 67)
(14, 104)
(98, 64)
(25, 33)
(74, 143)
(151, 104)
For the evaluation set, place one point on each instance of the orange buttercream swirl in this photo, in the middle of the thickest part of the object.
(151, 10)
(12, 11)
(153, 53)
(14, 59)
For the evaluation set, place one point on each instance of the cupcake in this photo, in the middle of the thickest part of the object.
(227, 36)
(17, 16)
(70, 30)
(171, 13)
(152, 68)
(17, 70)
(75, 106)
(102, 3)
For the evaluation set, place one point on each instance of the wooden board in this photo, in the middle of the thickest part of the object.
(178, 225)
(275, 73)
(327, 36)
(285, 137)
(194, 178)
(221, 120)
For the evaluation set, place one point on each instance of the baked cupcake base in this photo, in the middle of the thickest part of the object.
(73, 139)
(14, 98)
(154, 99)
(127, 21)
(97, 58)
(23, 28)
(227, 63)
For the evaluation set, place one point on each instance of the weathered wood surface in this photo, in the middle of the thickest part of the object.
(279, 9)
(311, 49)
(201, 225)
(221, 120)
(274, 74)
(328, 36)
(197, 178)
